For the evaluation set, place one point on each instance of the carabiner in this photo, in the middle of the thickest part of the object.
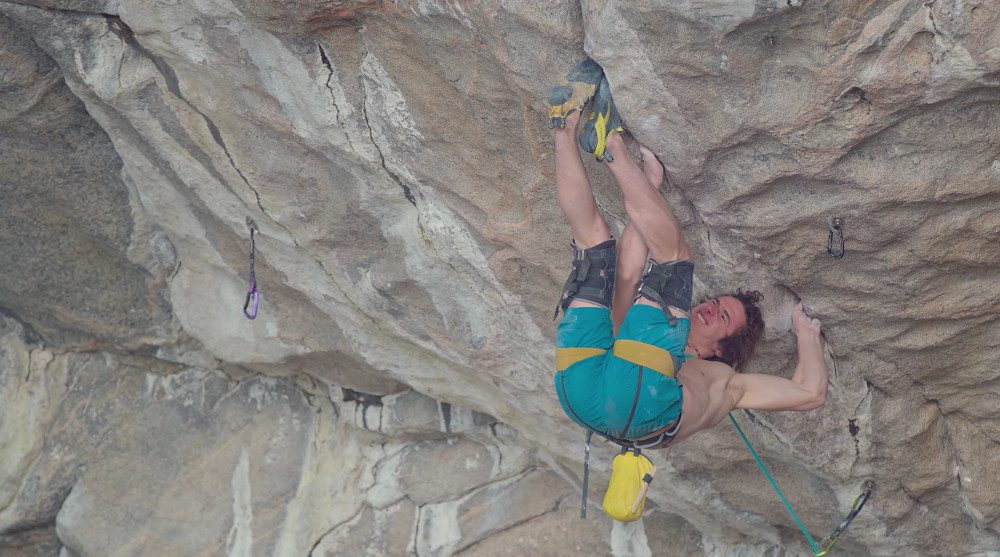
(837, 225)
(252, 293)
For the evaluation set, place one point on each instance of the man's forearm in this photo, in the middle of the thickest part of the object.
(811, 372)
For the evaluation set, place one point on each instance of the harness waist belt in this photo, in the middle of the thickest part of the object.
(566, 357)
(646, 355)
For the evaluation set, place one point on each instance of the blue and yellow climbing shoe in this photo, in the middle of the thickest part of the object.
(604, 119)
(573, 92)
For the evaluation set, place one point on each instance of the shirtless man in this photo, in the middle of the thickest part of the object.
(628, 324)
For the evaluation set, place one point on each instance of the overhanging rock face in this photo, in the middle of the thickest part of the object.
(396, 160)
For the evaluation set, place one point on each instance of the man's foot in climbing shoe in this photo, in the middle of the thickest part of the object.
(651, 167)
(573, 92)
(604, 120)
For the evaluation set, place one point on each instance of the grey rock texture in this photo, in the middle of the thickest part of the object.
(393, 396)
(128, 461)
(67, 223)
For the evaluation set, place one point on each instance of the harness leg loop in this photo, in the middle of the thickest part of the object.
(669, 284)
(592, 277)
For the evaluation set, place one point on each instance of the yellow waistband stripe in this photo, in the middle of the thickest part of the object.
(645, 355)
(566, 357)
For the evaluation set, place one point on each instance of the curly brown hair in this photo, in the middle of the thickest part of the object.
(737, 348)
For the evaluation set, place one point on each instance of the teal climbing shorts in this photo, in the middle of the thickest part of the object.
(621, 387)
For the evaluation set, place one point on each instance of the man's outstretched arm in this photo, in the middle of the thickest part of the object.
(806, 389)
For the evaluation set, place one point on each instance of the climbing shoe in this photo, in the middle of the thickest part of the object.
(573, 92)
(604, 119)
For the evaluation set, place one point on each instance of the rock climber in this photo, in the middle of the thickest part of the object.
(634, 361)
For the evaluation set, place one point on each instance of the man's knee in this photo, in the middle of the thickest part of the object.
(593, 234)
(680, 251)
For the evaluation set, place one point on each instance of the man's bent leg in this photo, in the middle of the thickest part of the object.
(576, 199)
(632, 251)
(632, 256)
(592, 278)
(659, 230)
(583, 341)
(646, 208)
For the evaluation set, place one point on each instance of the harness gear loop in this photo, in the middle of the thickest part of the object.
(586, 473)
(837, 225)
(252, 293)
(829, 541)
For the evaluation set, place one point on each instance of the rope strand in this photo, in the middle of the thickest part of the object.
(760, 463)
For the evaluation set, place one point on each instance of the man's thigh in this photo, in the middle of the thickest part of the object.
(584, 338)
(585, 327)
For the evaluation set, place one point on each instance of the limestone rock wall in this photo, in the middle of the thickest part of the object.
(185, 461)
(393, 395)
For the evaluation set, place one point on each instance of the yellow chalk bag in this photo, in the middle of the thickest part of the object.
(631, 473)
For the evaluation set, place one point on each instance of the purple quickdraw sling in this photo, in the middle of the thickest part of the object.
(252, 293)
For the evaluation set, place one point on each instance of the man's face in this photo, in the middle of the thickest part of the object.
(713, 321)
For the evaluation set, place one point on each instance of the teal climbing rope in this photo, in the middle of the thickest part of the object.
(828, 542)
(760, 463)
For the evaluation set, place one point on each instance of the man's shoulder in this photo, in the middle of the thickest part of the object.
(708, 366)
(710, 370)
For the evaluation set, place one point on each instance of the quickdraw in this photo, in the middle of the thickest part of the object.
(859, 502)
(836, 227)
(252, 294)
(828, 542)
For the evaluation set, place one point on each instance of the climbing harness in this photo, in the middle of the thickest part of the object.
(252, 294)
(592, 277)
(669, 285)
(827, 543)
(836, 227)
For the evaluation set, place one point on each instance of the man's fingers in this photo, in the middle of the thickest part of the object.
(801, 318)
(806, 310)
